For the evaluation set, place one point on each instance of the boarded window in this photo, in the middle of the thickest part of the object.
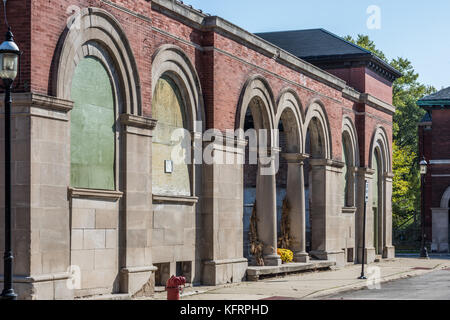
(92, 147)
(168, 109)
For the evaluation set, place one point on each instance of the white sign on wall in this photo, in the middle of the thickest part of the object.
(367, 192)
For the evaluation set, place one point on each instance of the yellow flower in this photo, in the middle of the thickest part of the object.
(286, 255)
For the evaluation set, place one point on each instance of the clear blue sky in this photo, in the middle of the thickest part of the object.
(416, 30)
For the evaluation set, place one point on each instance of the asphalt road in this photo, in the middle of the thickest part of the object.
(431, 286)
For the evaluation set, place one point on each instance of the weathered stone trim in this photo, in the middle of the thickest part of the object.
(39, 278)
(100, 30)
(137, 121)
(38, 105)
(295, 157)
(38, 100)
(93, 193)
(377, 103)
(220, 25)
(326, 163)
(175, 199)
(225, 261)
(139, 269)
(349, 210)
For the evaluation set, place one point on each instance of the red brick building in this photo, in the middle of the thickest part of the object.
(434, 147)
(99, 205)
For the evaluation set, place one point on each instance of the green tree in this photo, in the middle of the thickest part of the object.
(406, 91)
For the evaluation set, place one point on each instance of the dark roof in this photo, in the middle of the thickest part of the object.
(320, 46)
(426, 118)
(441, 97)
(312, 43)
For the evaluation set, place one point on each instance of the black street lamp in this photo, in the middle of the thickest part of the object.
(423, 171)
(9, 61)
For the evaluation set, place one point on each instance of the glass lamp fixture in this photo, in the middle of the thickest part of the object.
(9, 58)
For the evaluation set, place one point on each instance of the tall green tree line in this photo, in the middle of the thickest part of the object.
(405, 163)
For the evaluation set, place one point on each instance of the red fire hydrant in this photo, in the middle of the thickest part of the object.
(173, 287)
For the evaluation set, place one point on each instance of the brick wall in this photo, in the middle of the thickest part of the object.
(223, 71)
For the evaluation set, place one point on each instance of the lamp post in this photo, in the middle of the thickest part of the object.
(423, 171)
(9, 61)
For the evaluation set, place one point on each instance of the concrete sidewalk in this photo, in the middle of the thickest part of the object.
(313, 285)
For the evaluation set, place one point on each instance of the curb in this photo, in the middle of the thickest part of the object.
(360, 286)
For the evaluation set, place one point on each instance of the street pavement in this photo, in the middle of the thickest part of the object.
(316, 285)
(431, 286)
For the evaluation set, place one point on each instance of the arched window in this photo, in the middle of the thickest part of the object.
(170, 176)
(92, 147)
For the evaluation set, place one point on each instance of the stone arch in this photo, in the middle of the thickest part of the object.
(256, 110)
(445, 199)
(95, 32)
(289, 179)
(379, 160)
(350, 158)
(380, 141)
(349, 132)
(289, 112)
(257, 92)
(316, 121)
(170, 60)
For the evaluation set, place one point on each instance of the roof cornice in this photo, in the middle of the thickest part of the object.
(206, 22)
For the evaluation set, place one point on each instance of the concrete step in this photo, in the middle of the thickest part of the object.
(119, 296)
(254, 272)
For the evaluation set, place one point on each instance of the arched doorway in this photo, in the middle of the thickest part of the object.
(441, 224)
(255, 122)
(290, 178)
(377, 205)
(379, 221)
(317, 145)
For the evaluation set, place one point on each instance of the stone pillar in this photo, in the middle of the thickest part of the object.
(266, 208)
(388, 248)
(364, 174)
(295, 194)
(222, 210)
(41, 174)
(135, 256)
(326, 207)
(439, 229)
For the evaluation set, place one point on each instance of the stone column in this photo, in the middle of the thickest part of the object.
(135, 257)
(266, 208)
(41, 173)
(222, 210)
(295, 195)
(364, 174)
(439, 229)
(388, 249)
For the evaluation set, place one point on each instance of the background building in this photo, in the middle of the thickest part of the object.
(434, 146)
(104, 85)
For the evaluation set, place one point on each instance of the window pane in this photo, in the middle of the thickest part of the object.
(168, 109)
(92, 127)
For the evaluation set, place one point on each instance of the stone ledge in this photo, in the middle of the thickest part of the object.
(253, 273)
(93, 193)
(38, 100)
(39, 278)
(349, 210)
(226, 261)
(139, 269)
(137, 121)
(175, 199)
